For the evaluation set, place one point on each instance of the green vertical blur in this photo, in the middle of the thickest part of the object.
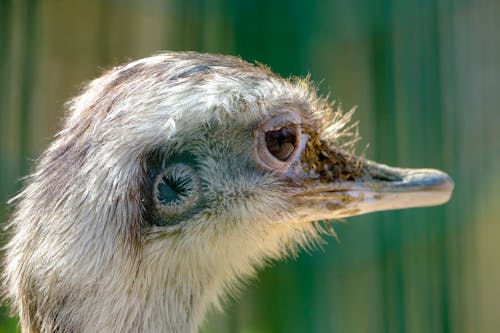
(425, 76)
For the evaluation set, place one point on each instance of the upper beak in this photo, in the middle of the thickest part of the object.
(339, 185)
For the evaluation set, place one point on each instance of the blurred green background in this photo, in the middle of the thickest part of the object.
(425, 76)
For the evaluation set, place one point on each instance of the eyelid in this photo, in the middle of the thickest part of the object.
(280, 121)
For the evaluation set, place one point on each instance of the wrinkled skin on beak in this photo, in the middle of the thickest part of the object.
(336, 184)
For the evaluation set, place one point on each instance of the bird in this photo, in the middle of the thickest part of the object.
(175, 178)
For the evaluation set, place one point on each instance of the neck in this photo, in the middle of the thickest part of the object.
(167, 285)
(167, 305)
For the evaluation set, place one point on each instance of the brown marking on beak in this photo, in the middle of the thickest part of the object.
(326, 164)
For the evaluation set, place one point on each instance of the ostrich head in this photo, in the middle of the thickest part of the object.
(174, 178)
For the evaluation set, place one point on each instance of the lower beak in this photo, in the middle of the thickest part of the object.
(377, 187)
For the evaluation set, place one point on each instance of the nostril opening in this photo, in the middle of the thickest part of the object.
(386, 178)
(383, 173)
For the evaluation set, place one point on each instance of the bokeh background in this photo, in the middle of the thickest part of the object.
(425, 76)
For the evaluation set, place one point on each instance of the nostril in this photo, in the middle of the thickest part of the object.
(383, 173)
(386, 178)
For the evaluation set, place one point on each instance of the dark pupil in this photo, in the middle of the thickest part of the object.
(169, 190)
(281, 142)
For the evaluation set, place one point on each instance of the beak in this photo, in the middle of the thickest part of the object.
(335, 185)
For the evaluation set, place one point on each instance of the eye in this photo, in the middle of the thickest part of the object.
(282, 142)
(277, 142)
(175, 191)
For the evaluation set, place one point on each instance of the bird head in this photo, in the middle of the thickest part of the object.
(176, 176)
